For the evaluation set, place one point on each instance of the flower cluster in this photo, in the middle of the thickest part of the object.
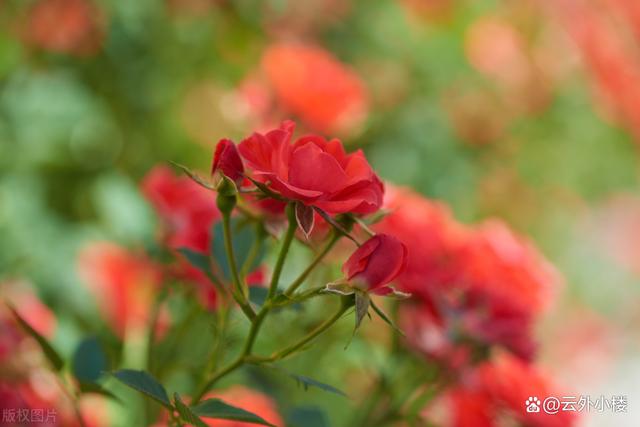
(474, 287)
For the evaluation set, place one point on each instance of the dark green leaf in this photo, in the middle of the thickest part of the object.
(97, 389)
(89, 360)
(216, 408)
(186, 414)
(47, 349)
(307, 416)
(198, 260)
(145, 383)
(307, 382)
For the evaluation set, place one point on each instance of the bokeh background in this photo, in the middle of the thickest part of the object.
(526, 110)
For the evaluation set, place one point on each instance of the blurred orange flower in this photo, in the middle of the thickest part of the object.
(312, 84)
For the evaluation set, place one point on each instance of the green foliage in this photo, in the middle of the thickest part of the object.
(216, 408)
(51, 354)
(144, 383)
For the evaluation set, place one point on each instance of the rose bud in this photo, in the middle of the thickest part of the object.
(226, 159)
(375, 264)
(370, 269)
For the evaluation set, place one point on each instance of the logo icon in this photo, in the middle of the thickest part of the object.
(532, 404)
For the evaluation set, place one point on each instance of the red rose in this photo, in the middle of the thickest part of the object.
(375, 264)
(227, 160)
(313, 171)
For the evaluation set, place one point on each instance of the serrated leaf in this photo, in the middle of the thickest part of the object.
(305, 218)
(362, 307)
(386, 319)
(243, 236)
(307, 382)
(93, 388)
(89, 360)
(216, 408)
(50, 353)
(186, 414)
(144, 383)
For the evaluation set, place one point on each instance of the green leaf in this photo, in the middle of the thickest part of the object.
(307, 382)
(144, 383)
(89, 360)
(47, 349)
(242, 235)
(216, 408)
(198, 260)
(186, 413)
(93, 388)
(307, 416)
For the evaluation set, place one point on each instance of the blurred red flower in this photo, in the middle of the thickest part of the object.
(186, 209)
(122, 282)
(498, 389)
(65, 26)
(606, 33)
(310, 83)
(313, 170)
(473, 287)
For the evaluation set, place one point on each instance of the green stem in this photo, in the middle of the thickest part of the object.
(239, 293)
(319, 257)
(247, 357)
(311, 335)
(286, 243)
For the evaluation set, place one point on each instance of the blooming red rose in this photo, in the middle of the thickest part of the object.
(375, 264)
(316, 87)
(226, 159)
(313, 171)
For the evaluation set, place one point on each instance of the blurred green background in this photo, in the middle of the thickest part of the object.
(79, 128)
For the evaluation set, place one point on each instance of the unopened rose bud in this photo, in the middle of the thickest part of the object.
(375, 264)
(227, 196)
(227, 161)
